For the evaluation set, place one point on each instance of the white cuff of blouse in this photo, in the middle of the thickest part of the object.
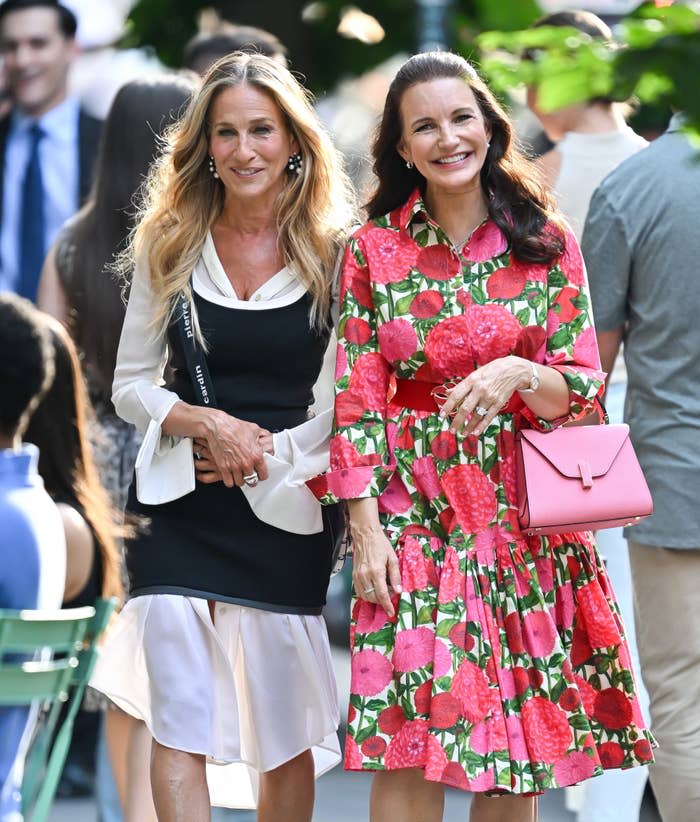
(283, 500)
(165, 472)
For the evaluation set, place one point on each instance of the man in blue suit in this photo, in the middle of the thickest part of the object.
(47, 143)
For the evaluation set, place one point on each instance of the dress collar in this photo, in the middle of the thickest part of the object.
(267, 291)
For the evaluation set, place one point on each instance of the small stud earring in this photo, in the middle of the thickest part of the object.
(295, 162)
(212, 168)
(488, 145)
(409, 164)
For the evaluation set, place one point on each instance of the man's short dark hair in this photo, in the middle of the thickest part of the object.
(67, 21)
(585, 21)
(26, 363)
(227, 38)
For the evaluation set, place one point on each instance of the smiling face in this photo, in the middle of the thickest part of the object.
(250, 143)
(37, 56)
(444, 134)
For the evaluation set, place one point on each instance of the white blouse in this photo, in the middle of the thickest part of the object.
(165, 466)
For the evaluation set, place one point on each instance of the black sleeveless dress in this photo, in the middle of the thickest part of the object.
(209, 543)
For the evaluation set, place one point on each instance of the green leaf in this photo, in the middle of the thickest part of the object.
(555, 279)
(579, 722)
(356, 701)
(366, 732)
(561, 338)
(474, 760)
(422, 237)
(445, 626)
(477, 294)
(384, 637)
(375, 705)
(558, 690)
(425, 615)
(504, 777)
(402, 304)
(523, 316)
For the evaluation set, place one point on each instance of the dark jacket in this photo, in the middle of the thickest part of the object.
(88, 140)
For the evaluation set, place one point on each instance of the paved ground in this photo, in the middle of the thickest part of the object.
(343, 797)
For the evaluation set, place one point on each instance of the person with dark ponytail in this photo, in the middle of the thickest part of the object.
(59, 429)
(477, 651)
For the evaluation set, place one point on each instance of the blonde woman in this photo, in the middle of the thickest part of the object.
(221, 648)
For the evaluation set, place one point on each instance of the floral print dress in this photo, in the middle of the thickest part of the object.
(506, 667)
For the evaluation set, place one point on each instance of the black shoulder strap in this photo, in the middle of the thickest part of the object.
(194, 356)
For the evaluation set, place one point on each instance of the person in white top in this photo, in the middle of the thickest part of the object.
(591, 139)
(222, 649)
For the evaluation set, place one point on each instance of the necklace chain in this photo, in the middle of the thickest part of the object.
(471, 231)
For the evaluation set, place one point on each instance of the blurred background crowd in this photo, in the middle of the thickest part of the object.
(82, 108)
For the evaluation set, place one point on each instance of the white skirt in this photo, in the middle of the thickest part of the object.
(250, 691)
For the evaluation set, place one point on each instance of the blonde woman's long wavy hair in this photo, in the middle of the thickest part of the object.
(181, 198)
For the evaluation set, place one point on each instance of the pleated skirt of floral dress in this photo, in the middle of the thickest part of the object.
(506, 667)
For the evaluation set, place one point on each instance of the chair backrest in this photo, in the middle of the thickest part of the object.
(71, 634)
(29, 644)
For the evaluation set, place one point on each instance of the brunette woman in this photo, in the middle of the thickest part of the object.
(483, 659)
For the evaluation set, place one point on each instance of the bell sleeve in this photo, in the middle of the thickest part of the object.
(360, 462)
(571, 346)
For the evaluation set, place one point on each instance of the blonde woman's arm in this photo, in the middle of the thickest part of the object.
(140, 398)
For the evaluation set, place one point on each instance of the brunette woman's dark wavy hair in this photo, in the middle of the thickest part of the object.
(59, 428)
(131, 138)
(518, 201)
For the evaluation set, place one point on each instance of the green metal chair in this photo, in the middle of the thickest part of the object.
(62, 647)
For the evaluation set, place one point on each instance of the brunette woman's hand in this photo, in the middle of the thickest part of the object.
(487, 390)
(374, 560)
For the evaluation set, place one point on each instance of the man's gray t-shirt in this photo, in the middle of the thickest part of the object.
(641, 244)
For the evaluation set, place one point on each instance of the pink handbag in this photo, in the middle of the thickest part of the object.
(581, 478)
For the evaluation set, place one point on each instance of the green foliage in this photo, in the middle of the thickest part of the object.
(165, 24)
(168, 24)
(659, 61)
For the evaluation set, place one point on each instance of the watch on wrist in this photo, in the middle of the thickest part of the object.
(534, 381)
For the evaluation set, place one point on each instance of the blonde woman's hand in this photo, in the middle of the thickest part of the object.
(375, 567)
(487, 390)
(205, 466)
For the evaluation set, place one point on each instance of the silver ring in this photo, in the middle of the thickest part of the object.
(251, 480)
(368, 590)
(481, 411)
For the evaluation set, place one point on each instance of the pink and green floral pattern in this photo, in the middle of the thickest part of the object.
(506, 667)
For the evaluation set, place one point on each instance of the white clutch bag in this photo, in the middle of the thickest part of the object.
(164, 471)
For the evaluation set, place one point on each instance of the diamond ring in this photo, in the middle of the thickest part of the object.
(481, 411)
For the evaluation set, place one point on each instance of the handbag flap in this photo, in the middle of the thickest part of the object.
(568, 449)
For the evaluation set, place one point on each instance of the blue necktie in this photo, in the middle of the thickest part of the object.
(32, 223)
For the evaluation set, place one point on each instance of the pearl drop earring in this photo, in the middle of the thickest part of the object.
(212, 168)
(295, 162)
